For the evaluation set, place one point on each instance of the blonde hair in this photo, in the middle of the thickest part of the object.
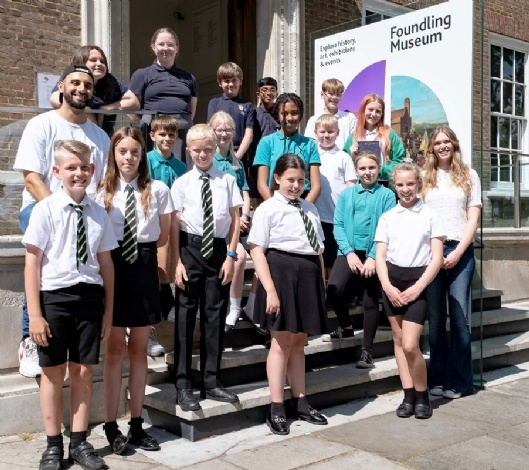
(201, 132)
(222, 117)
(404, 167)
(229, 70)
(369, 155)
(327, 121)
(333, 86)
(164, 30)
(79, 149)
(383, 131)
(458, 170)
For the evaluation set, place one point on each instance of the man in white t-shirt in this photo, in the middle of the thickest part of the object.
(35, 159)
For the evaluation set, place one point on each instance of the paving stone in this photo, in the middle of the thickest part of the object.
(356, 459)
(483, 453)
(517, 435)
(291, 453)
(390, 437)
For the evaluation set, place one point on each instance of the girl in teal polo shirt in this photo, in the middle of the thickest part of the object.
(355, 220)
(224, 126)
(288, 110)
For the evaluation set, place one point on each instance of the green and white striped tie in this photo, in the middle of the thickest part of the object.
(82, 251)
(309, 228)
(130, 230)
(207, 209)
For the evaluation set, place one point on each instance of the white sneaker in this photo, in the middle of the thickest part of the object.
(28, 358)
(171, 317)
(437, 391)
(154, 348)
(451, 394)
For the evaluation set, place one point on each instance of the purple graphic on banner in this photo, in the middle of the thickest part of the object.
(370, 80)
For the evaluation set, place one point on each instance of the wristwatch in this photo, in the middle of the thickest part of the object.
(232, 254)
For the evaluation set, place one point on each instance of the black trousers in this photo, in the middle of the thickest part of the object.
(203, 288)
(342, 285)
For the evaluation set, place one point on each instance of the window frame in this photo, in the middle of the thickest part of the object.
(384, 8)
(523, 137)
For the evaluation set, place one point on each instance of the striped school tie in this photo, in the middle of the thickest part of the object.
(309, 228)
(130, 230)
(82, 252)
(207, 209)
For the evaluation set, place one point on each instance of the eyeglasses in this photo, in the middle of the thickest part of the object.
(224, 131)
(268, 91)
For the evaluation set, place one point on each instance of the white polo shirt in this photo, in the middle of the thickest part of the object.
(36, 150)
(187, 199)
(408, 232)
(148, 226)
(279, 225)
(53, 229)
(346, 124)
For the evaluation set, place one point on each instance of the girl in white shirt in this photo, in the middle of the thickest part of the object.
(409, 254)
(140, 211)
(454, 191)
(286, 241)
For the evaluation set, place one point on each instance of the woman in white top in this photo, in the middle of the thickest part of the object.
(454, 191)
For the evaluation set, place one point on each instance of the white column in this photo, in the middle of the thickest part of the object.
(279, 42)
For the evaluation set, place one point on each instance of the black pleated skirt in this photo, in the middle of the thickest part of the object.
(299, 285)
(136, 288)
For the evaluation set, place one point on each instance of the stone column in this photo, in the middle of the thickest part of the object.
(279, 42)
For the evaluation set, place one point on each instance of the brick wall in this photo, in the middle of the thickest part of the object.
(35, 36)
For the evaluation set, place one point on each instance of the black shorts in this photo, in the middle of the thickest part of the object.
(331, 247)
(402, 278)
(74, 315)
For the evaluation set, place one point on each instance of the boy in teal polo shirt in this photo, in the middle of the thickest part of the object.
(165, 167)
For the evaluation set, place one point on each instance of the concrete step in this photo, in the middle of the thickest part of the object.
(326, 386)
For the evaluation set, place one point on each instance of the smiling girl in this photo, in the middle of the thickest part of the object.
(286, 241)
(288, 111)
(370, 126)
(408, 256)
(140, 211)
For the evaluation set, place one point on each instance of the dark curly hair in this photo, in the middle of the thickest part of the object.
(285, 98)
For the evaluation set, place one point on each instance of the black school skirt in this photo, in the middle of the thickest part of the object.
(136, 288)
(299, 285)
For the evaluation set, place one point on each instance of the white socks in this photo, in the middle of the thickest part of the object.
(235, 311)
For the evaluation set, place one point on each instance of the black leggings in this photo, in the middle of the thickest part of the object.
(342, 285)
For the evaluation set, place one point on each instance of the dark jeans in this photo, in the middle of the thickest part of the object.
(449, 296)
(342, 285)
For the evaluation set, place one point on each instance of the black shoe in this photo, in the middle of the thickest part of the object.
(219, 394)
(118, 442)
(87, 457)
(143, 440)
(338, 334)
(51, 459)
(313, 417)
(365, 361)
(405, 410)
(278, 424)
(228, 328)
(186, 400)
(423, 410)
(257, 328)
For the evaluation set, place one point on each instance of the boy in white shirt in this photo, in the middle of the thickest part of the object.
(207, 203)
(332, 91)
(337, 172)
(69, 279)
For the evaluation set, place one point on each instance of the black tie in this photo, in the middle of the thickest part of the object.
(309, 228)
(207, 209)
(130, 229)
(82, 252)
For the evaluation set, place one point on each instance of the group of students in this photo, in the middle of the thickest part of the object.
(94, 266)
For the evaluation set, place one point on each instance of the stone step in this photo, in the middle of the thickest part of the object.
(325, 386)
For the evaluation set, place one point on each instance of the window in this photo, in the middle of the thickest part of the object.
(508, 114)
(379, 10)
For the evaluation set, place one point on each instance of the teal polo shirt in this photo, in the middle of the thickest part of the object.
(226, 165)
(166, 171)
(275, 145)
